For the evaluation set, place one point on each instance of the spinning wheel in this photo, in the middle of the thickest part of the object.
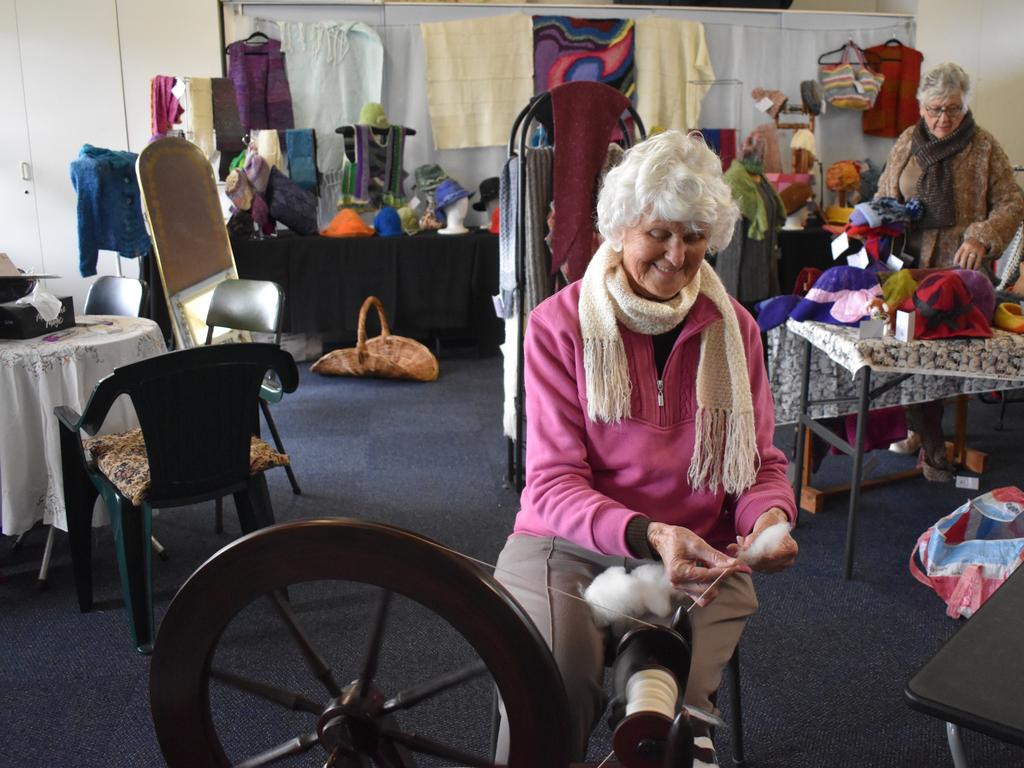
(360, 723)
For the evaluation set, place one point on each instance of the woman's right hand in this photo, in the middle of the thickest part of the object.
(692, 565)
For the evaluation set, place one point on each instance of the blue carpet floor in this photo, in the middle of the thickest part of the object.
(825, 660)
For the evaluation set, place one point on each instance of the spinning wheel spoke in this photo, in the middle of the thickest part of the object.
(285, 698)
(295, 746)
(317, 664)
(413, 696)
(430, 747)
(373, 648)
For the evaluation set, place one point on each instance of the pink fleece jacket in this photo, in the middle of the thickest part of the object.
(585, 480)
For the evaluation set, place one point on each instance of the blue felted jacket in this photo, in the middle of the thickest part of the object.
(109, 209)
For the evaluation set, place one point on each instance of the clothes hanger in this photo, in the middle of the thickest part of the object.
(870, 57)
(892, 40)
(252, 39)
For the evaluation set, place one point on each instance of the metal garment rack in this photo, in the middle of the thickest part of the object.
(519, 137)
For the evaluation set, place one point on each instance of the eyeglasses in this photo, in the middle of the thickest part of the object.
(952, 111)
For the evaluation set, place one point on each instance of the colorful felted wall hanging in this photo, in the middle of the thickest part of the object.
(598, 50)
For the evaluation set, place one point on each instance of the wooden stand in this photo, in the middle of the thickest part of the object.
(813, 499)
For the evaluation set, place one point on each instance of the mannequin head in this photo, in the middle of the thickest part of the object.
(455, 214)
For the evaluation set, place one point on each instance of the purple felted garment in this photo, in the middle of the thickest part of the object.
(165, 109)
(840, 283)
(261, 86)
(585, 115)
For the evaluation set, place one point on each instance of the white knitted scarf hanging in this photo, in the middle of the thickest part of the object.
(725, 443)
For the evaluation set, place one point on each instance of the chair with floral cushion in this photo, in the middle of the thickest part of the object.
(198, 416)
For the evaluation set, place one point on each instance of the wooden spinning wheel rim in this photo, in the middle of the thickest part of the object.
(454, 588)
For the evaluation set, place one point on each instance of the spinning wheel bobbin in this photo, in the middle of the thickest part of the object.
(650, 672)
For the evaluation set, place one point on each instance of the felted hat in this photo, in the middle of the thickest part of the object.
(387, 222)
(885, 210)
(431, 219)
(898, 286)
(812, 95)
(258, 171)
(842, 176)
(777, 98)
(429, 177)
(840, 296)
(489, 189)
(775, 311)
(1009, 317)
(496, 221)
(795, 196)
(410, 220)
(373, 114)
(944, 309)
(983, 293)
(805, 280)
(346, 223)
(448, 192)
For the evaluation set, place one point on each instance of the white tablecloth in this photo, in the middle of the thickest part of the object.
(944, 367)
(37, 375)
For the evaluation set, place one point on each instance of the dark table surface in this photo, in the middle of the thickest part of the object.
(976, 679)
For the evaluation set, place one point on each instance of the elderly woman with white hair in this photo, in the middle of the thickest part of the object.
(649, 428)
(971, 208)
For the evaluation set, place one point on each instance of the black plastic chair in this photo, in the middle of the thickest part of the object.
(110, 295)
(256, 306)
(197, 411)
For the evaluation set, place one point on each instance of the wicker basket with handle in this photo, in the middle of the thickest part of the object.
(385, 356)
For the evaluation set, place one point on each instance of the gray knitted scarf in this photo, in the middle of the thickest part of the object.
(935, 156)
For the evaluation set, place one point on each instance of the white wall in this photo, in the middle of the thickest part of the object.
(984, 38)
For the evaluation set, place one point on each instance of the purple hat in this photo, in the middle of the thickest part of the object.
(840, 296)
(775, 311)
(981, 289)
(448, 192)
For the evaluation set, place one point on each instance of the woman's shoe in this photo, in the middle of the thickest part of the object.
(939, 470)
(910, 444)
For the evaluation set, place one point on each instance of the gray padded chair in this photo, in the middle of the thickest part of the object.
(256, 306)
(110, 295)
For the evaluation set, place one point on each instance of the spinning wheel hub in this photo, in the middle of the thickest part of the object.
(351, 722)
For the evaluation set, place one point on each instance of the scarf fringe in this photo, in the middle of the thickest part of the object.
(711, 463)
(609, 394)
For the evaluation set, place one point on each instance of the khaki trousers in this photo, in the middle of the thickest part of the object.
(529, 565)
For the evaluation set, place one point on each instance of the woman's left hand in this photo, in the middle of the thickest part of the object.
(969, 255)
(780, 558)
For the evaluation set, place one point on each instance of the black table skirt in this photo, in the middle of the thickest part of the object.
(803, 248)
(427, 283)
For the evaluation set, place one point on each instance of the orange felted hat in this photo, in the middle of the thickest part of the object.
(347, 223)
(1009, 317)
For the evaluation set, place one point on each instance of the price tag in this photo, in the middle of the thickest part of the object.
(904, 325)
(895, 263)
(859, 259)
(839, 245)
(414, 203)
(871, 329)
(764, 104)
(964, 481)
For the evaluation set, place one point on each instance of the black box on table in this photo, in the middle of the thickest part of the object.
(22, 321)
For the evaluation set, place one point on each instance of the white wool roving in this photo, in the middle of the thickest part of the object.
(616, 596)
(765, 542)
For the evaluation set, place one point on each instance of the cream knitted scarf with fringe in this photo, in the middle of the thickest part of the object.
(725, 443)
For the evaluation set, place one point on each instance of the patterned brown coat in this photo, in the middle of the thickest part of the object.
(989, 204)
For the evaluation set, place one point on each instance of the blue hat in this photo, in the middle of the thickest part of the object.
(448, 192)
(387, 222)
(840, 297)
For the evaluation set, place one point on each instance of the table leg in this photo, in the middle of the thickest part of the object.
(858, 467)
(801, 431)
(956, 747)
